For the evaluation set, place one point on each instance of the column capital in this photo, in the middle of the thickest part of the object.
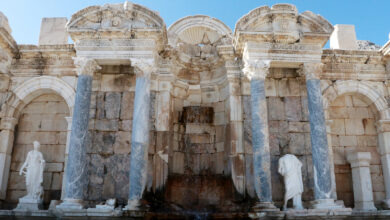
(144, 67)
(85, 66)
(359, 159)
(383, 126)
(311, 70)
(8, 123)
(256, 69)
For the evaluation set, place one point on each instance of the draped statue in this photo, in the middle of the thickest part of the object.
(32, 168)
(290, 169)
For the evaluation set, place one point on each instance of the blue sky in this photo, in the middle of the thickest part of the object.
(370, 17)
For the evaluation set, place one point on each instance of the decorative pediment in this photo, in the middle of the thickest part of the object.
(115, 21)
(282, 24)
(198, 29)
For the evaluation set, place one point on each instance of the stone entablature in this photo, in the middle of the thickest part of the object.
(151, 109)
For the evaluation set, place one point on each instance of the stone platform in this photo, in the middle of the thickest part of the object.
(118, 214)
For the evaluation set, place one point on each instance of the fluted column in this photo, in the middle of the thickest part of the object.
(75, 171)
(318, 136)
(7, 127)
(256, 71)
(140, 133)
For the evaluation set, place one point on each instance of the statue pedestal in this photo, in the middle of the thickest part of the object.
(27, 204)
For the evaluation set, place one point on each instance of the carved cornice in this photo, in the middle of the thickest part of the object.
(311, 70)
(86, 66)
(256, 69)
(144, 67)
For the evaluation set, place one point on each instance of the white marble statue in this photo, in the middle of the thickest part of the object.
(290, 169)
(33, 171)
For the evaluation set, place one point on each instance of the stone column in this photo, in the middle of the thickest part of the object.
(361, 179)
(257, 70)
(319, 142)
(140, 133)
(162, 125)
(76, 166)
(68, 133)
(7, 127)
(332, 174)
(383, 128)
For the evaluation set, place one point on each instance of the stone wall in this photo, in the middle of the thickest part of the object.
(353, 129)
(43, 119)
(289, 130)
(110, 134)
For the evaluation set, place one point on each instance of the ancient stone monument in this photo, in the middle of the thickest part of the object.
(290, 168)
(191, 120)
(32, 169)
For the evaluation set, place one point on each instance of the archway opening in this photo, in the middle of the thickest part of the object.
(43, 119)
(353, 129)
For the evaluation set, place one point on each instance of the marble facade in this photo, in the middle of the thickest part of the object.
(195, 116)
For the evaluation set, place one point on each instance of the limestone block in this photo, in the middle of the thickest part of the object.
(117, 82)
(297, 143)
(103, 142)
(348, 140)
(293, 108)
(275, 109)
(289, 87)
(367, 140)
(16, 182)
(125, 125)
(53, 31)
(297, 126)
(107, 125)
(369, 126)
(335, 141)
(235, 108)
(354, 127)
(54, 167)
(112, 105)
(343, 37)
(219, 118)
(358, 112)
(271, 88)
(122, 143)
(339, 157)
(338, 127)
(337, 112)
(56, 183)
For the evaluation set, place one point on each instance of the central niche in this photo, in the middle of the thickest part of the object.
(198, 140)
(197, 180)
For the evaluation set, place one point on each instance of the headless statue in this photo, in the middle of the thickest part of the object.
(290, 169)
(32, 168)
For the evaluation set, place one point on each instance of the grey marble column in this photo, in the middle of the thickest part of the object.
(319, 142)
(140, 134)
(75, 172)
(256, 72)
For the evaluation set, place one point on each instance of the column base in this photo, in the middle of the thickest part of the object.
(386, 204)
(325, 204)
(27, 204)
(364, 206)
(71, 204)
(133, 205)
(265, 207)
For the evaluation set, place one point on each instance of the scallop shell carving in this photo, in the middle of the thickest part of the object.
(199, 35)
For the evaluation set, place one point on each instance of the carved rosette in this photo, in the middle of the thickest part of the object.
(256, 69)
(85, 66)
(144, 67)
(311, 70)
